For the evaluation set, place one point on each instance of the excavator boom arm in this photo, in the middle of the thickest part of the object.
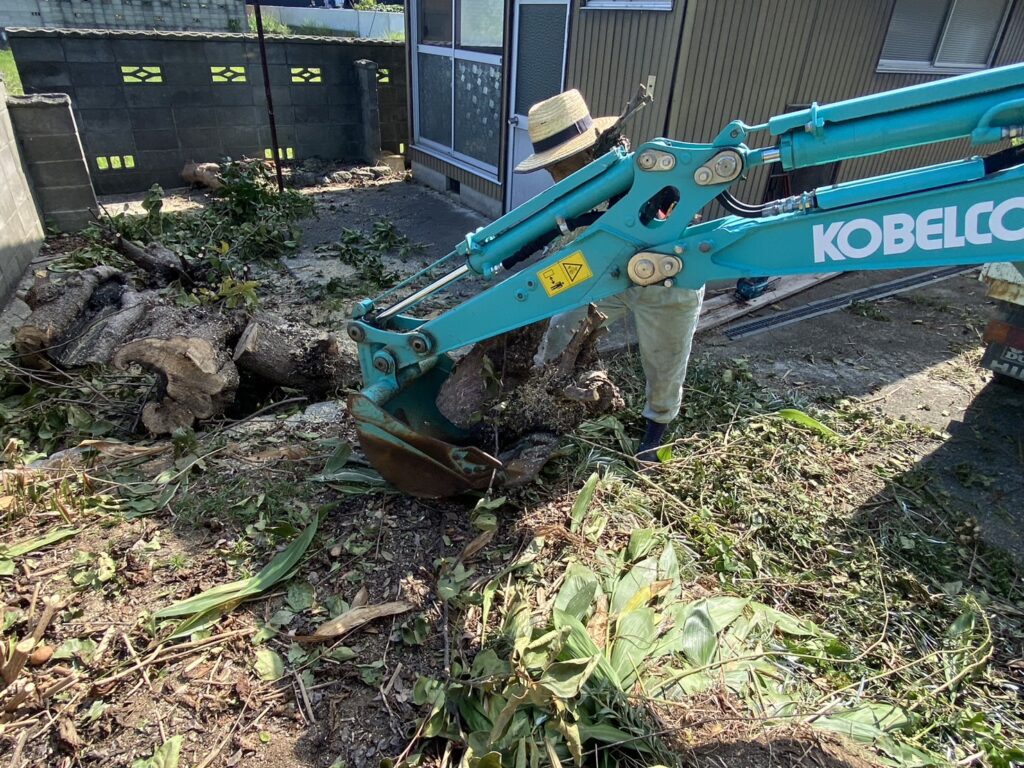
(966, 212)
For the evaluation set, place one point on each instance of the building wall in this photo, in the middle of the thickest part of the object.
(749, 60)
(140, 127)
(207, 15)
(21, 231)
(611, 53)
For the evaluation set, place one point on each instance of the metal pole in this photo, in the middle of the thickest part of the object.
(270, 100)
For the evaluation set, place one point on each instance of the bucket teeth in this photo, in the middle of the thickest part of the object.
(417, 464)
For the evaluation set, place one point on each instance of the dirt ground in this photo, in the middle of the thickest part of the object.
(914, 357)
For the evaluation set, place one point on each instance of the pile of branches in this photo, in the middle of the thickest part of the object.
(169, 293)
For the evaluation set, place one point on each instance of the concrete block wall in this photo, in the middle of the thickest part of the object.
(53, 155)
(147, 103)
(21, 231)
(197, 15)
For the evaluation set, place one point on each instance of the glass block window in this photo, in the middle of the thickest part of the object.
(942, 35)
(457, 80)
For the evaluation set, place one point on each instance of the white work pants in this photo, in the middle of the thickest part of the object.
(666, 319)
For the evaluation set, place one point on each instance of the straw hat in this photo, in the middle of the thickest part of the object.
(559, 128)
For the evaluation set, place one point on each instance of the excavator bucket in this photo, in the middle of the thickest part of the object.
(415, 448)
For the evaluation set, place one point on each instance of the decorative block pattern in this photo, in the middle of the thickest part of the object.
(135, 74)
(227, 74)
(306, 75)
(190, 115)
(115, 163)
(284, 153)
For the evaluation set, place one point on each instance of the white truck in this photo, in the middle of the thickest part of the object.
(1005, 332)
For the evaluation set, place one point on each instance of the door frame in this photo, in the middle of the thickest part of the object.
(520, 121)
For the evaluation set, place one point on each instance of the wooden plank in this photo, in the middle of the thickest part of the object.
(725, 308)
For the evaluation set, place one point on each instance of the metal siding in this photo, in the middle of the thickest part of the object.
(612, 52)
(748, 60)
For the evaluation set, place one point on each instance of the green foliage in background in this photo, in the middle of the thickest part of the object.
(9, 72)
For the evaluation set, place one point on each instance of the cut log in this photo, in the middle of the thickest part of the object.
(57, 306)
(196, 379)
(98, 333)
(163, 264)
(296, 355)
(203, 174)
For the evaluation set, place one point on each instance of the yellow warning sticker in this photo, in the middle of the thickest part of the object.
(564, 274)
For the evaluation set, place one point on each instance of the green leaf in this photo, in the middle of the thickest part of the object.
(269, 665)
(785, 623)
(300, 596)
(697, 639)
(582, 503)
(578, 591)
(635, 635)
(641, 575)
(164, 756)
(82, 649)
(6, 567)
(106, 569)
(31, 545)
(578, 644)
(802, 419)
(640, 542)
(337, 460)
(664, 454)
(208, 606)
(724, 610)
(565, 679)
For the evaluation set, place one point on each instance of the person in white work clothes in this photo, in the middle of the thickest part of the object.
(564, 137)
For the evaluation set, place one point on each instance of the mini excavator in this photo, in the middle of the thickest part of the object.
(969, 211)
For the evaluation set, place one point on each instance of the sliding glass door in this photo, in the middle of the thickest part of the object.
(457, 74)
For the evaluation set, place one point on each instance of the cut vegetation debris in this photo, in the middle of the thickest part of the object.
(790, 587)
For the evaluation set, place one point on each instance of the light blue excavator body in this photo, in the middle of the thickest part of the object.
(966, 212)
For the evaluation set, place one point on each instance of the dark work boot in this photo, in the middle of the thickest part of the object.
(654, 437)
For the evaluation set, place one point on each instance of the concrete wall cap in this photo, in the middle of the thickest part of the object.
(39, 100)
(145, 34)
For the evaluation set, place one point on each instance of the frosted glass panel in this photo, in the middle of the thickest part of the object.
(481, 24)
(540, 48)
(477, 110)
(435, 98)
